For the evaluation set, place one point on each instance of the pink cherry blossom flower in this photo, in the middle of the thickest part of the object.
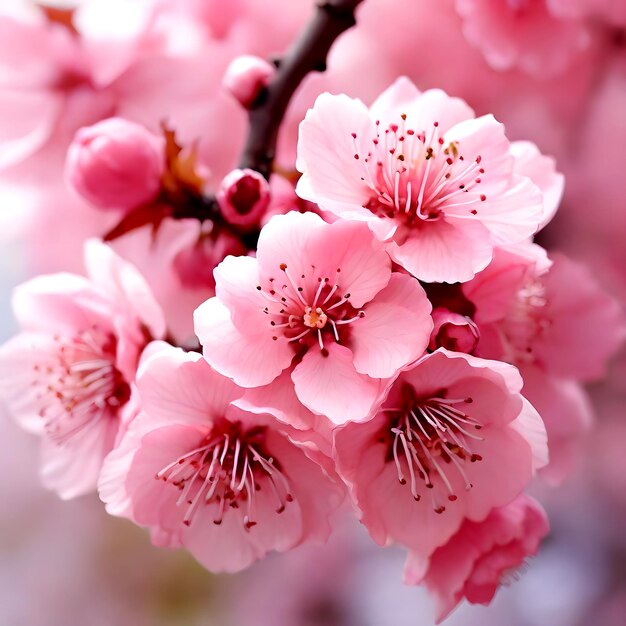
(319, 300)
(228, 485)
(453, 440)
(67, 375)
(481, 556)
(528, 34)
(558, 319)
(438, 185)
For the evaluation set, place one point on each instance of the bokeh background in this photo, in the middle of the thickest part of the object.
(69, 563)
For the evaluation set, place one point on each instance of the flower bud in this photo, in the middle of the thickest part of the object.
(243, 197)
(453, 332)
(115, 164)
(246, 76)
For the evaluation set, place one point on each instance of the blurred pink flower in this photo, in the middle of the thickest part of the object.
(453, 440)
(437, 185)
(321, 301)
(481, 556)
(227, 484)
(67, 375)
(528, 34)
(558, 319)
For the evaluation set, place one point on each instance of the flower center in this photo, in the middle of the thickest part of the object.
(227, 471)
(314, 318)
(431, 438)
(416, 176)
(309, 307)
(78, 384)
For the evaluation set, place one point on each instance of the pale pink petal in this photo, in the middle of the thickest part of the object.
(329, 385)
(19, 358)
(112, 479)
(397, 99)
(477, 559)
(528, 36)
(72, 469)
(282, 242)
(125, 286)
(350, 247)
(252, 359)
(514, 215)
(280, 400)
(395, 330)
(181, 387)
(326, 149)
(444, 251)
(425, 108)
(541, 170)
(532, 428)
(63, 303)
(236, 281)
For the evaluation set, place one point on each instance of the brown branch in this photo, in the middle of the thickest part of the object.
(181, 196)
(331, 19)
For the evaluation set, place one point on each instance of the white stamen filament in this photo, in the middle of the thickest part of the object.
(429, 435)
(221, 472)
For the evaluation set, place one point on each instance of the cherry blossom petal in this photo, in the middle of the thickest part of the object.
(430, 106)
(395, 330)
(329, 385)
(250, 359)
(124, 284)
(541, 170)
(326, 149)
(444, 251)
(173, 374)
(73, 469)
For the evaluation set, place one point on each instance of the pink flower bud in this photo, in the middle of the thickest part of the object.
(243, 197)
(246, 76)
(115, 164)
(453, 332)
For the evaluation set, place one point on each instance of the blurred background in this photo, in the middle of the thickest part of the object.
(68, 562)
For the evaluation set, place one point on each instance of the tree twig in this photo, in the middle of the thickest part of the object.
(308, 54)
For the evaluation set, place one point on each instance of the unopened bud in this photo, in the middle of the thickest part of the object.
(243, 197)
(115, 164)
(453, 332)
(246, 76)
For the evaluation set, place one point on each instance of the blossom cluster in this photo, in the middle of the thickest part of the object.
(376, 332)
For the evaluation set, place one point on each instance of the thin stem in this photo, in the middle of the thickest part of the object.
(308, 54)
